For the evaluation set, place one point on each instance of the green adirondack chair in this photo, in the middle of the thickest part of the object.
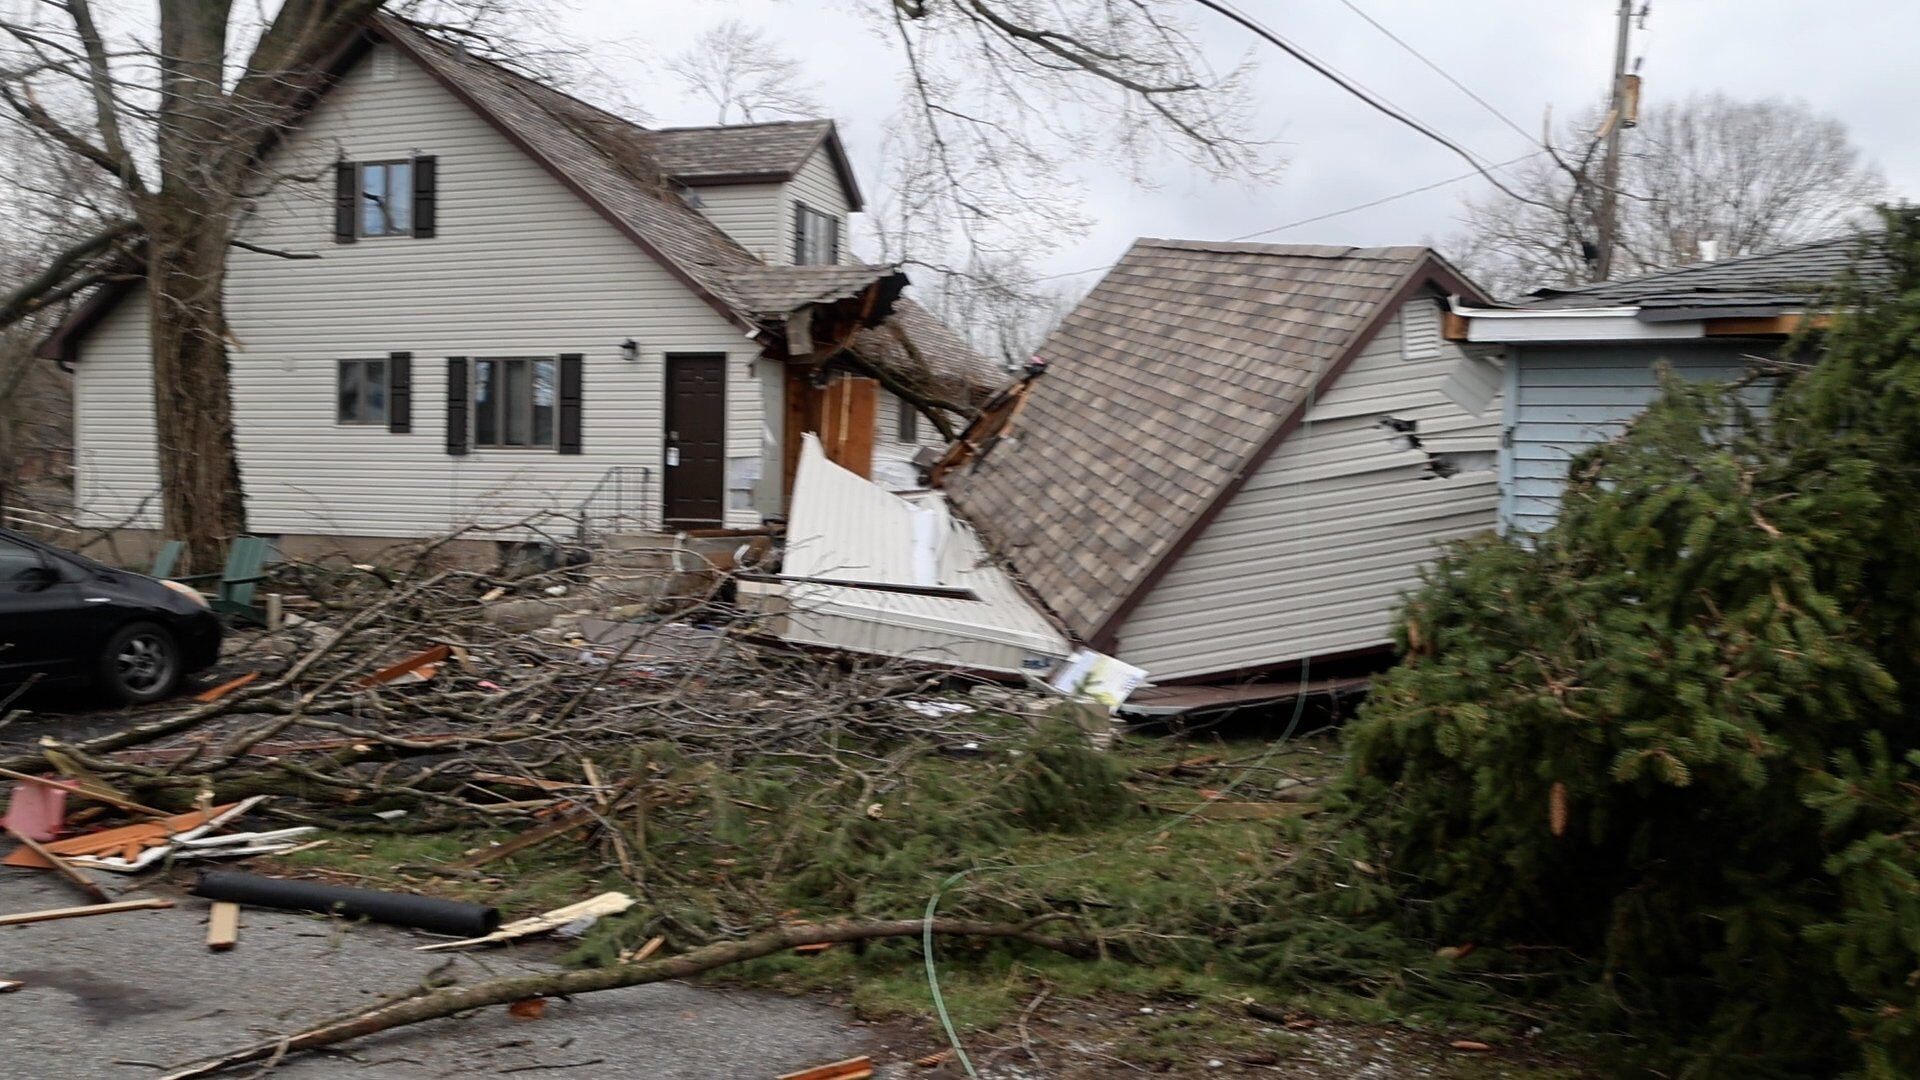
(166, 559)
(234, 587)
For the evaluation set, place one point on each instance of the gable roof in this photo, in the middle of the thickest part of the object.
(606, 161)
(750, 153)
(1792, 277)
(1165, 389)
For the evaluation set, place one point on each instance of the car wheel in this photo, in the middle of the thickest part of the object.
(141, 663)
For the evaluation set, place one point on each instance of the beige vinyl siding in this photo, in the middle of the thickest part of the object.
(520, 267)
(892, 458)
(1312, 556)
(115, 471)
(754, 215)
(818, 185)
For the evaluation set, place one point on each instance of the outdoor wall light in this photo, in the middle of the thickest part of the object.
(630, 350)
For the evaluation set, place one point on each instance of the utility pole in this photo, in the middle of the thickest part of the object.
(1609, 220)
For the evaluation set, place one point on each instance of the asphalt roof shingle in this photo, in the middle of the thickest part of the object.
(1791, 277)
(1160, 387)
(776, 149)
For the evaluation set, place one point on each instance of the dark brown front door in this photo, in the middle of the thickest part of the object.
(696, 453)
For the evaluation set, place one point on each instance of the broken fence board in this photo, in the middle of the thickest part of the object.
(59, 866)
(50, 914)
(223, 925)
(128, 840)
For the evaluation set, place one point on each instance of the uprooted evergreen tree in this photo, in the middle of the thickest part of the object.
(1664, 760)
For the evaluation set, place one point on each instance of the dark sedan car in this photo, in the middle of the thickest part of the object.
(67, 620)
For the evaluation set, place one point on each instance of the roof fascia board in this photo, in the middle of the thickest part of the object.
(560, 174)
(1428, 270)
(1516, 326)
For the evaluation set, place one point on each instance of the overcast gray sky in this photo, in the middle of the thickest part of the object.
(1851, 59)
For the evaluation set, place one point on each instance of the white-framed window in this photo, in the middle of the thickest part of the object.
(386, 198)
(360, 392)
(816, 237)
(514, 402)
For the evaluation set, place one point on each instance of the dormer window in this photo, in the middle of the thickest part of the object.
(816, 237)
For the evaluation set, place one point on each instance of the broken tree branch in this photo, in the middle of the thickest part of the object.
(458, 999)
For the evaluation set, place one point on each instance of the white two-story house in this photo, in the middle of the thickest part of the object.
(524, 305)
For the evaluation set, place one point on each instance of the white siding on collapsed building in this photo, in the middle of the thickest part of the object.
(1563, 399)
(1312, 556)
(520, 267)
(893, 456)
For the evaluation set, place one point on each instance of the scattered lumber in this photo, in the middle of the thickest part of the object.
(50, 914)
(223, 925)
(859, 1068)
(607, 903)
(60, 866)
(129, 841)
(450, 1001)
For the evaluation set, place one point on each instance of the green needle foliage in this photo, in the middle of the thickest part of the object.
(1664, 759)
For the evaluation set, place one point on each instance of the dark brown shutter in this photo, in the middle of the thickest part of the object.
(346, 202)
(833, 252)
(457, 405)
(426, 184)
(571, 368)
(400, 392)
(799, 234)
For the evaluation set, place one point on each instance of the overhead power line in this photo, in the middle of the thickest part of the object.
(1368, 205)
(1440, 71)
(1384, 107)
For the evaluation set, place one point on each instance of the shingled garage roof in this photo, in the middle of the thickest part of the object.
(1767, 283)
(1165, 388)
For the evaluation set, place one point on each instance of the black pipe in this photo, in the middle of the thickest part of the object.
(401, 909)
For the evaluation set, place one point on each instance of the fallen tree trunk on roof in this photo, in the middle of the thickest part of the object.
(453, 1000)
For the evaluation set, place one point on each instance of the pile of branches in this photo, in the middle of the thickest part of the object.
(318, 726)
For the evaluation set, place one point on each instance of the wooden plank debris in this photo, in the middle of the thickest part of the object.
(8, 986)
(607, 903)
(225, 688)
(859, 1068)
(49, 914)
(131, 842)
(641, 953)
(423, 663)
(223, 926)
(73, 877)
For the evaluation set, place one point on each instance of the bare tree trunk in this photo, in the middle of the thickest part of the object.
(192, 403)
(189, 220)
